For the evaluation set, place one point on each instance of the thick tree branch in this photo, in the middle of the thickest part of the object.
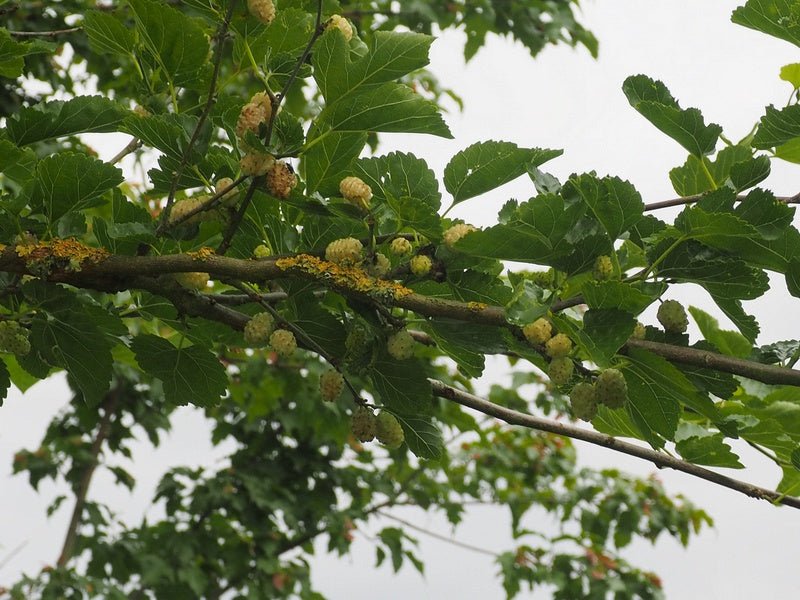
(662, 461)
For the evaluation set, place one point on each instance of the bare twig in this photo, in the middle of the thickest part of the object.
(227, 238)
(50, 34)
(132, 146)
(210, 203)
(437, 536)
(659, 459)
(692, 199)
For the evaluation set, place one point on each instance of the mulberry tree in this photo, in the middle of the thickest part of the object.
(309, 293)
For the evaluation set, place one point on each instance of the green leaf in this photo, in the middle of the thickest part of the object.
(288, 136)
(795, 458)
(790, 483)
(191, 375)
(107, 34)
(70, 181)
(654, 102)
(12, 54)
(791, 73)
(21, 379)
(746, 324)
(700, 174)
(390, 107)
(727, 342)
(422, 435)
(389, 56)
(777, 127)
(325, 163)
(400, 175)
(615, 203)
(75, 343)
(177, 42)
(47, 120)
(773, 17)
(762, 210)
(168, 133)
(708, 450)
(287, 34)
(5, 381)
(746, 174)
(467, 344)
(603, 333)
(630, 298)
(485, 166)
(402, 385)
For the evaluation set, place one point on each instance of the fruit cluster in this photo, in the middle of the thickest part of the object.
(456, 232)
(346, 251)
(356, 192)
(193, 280)
(609, 388)
(14, 338)
(258, 329)
(365, 427)
(263, 10)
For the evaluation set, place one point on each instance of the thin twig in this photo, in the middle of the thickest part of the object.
(54, 33)
(692, 199)
(222, 32)
(514, 417)
(227, 238)
(132, 146)
(210, 203)
(239, 299)
(437, 536)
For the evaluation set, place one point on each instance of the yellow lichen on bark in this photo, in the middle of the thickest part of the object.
(62, 249)
(203, 254)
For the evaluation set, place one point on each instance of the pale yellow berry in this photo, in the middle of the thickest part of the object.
(343, 25)
(281, 180)
(400, 247)
(363, 424)
(538, 332)
(193, 281)
(254, 114)
(229, 197)
(262, 251)
(263, 10)
(388, 430)
(182, 208)
(558, 346)
(283, 342)
(258, 329)
(456, 232)
(255, 164)
(356, 192)
(380, 266)
(639, 332)
(400, 345)
(346, 251)
(420, 265)
(331, 384)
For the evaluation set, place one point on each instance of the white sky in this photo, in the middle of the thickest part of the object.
(563, 99)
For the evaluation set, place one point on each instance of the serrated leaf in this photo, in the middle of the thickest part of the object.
(20, 378)
(778, 127)
(324, 163)
(701, 174)
(467, 344)
(484, 166)
(746, 174)
(710, 450)
(400, 175)
(790, 483)
(603, 333)
(727, 342)
(773, 17)
(12, 54)
(746, 324)
(795, 458)
(615, 203)
(5, 381)
(56, 118)
(287, 34)
(624, 296)
(287, 136)
(76, 344)
(107, 34)
(190, 375)
(654, 102)
(791, 73)
(70, 181)
(168, 133)
(762, 210)
(422, 435)
(177, 42)
(318, 324)
(402, 385)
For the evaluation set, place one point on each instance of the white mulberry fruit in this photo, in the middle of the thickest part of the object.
(380, 266)
(672, 317)
(281, 180)
(193, 281)
(183, 207)
(583, 400)
(420, 265)
(253, 114)
(258, 329)
(603, 268)
(229, 197)
(611, 389)
(363, 424)
(538, 332)
(400, 345)
(262, 251)
(560, 370)
(639, 331)
(400, 247)
(255, 164)
(331, 384)
(356, 192)
(558, 346)
(456, 232)
(343, 25)
(263, 10)
(346, 251)
(283, 342)
(388, 430)
(14, 338)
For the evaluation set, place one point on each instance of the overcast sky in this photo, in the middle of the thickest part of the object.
(562, 99)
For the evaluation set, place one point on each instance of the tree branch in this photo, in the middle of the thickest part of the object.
(662, 461)
(437, 536)
(50, 34)
(692, 199)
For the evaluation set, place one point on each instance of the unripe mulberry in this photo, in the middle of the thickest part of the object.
(262, 251)
(400, 345)
(400, 247)
(420, 265)
(346, 251)
(343, 25)
(456, 232)
(283, 342)
(363, 424)
(543, 278)
(14, 338)
(253, 115)
(356, 192)
(263, 10)
(558, 346)
(331, 384)
(388, 430)
(380, 266)
(672, 317)
(611, 389)
(280, 180)
(255, 164)
(583, 400)
(258, 329)
(639, 331)
(560, 370)
(603, 268)
(229, 197)
(359, 350)
(193, 281)
(538, 332)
